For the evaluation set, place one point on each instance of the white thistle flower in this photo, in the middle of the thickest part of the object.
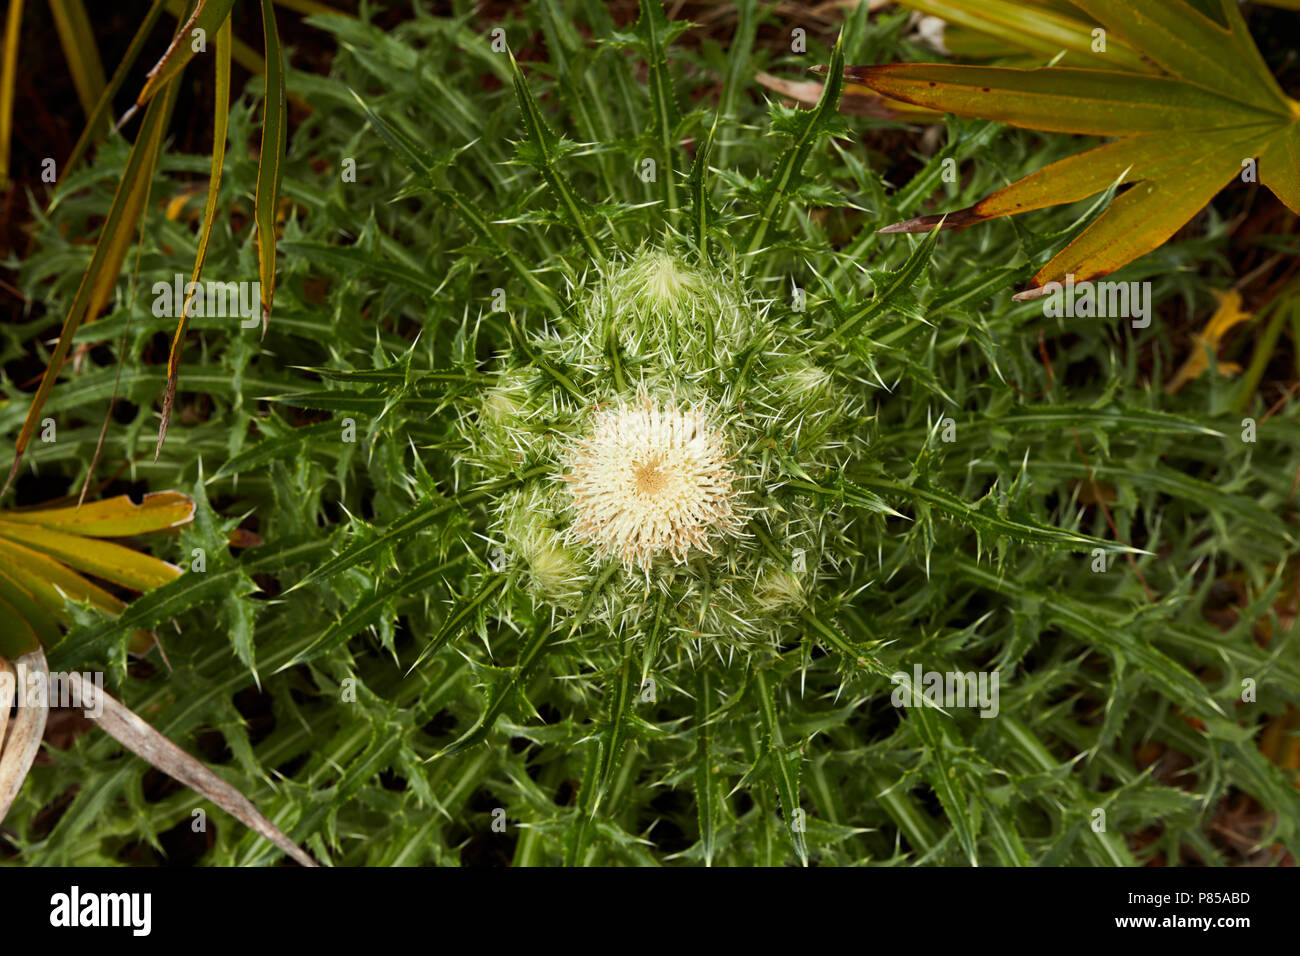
(649, 481)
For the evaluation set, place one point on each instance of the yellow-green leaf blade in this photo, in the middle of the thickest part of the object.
(208, 17)
(78, 41)
(52, 583)
(8, 81)
(117, 517)
(220, 122)
(270, 159)
(104, 559)
(1094, 102)
(1279, 165)
(28, 625)
(1190, 46)
(1129, 160)
(1038, 30)
(1145, 217)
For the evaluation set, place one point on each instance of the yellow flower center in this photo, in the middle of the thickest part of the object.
(649, 481)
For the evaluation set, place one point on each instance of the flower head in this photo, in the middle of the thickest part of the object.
(648, 481)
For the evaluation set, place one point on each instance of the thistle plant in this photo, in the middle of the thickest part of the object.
(662, 418)
(603, 482)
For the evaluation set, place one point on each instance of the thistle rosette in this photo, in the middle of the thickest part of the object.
(667, 414)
